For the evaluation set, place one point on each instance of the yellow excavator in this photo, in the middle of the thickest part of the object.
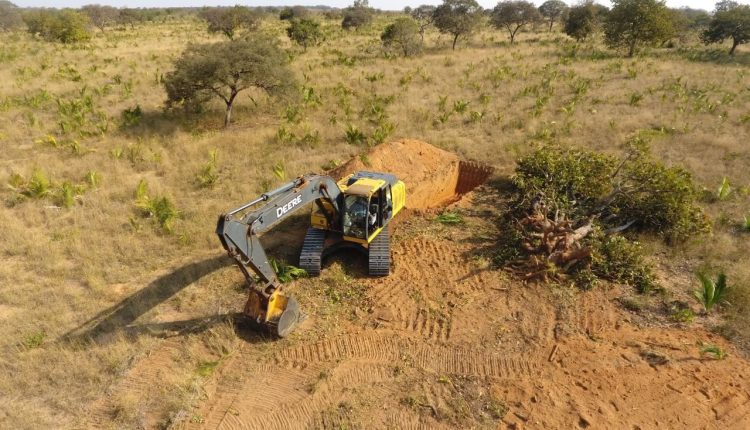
(354, 212)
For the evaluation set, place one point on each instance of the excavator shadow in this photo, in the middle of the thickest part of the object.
(120, 316)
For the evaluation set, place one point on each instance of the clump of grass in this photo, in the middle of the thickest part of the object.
(34, 340)
(40, 186)
(206, 368)
(746, 223)
(160, 208)
(716, 351)
(209, 173)
(286, 272)
(450, 218)
(712, 291)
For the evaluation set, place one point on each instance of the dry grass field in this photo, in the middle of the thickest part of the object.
(109, 320)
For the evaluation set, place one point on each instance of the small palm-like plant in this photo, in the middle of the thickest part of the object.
(724, 189)
(286, 272)
(746, 223)
(711, 292)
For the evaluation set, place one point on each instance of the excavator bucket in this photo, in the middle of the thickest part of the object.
(279, 314)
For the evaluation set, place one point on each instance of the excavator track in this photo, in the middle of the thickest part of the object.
(312, 251)
(379, 254)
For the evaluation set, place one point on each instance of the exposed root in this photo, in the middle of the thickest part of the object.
(553, 246)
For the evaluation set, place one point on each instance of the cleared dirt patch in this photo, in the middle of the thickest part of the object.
(433, 177)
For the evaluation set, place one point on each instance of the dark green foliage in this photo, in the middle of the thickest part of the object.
(403, 36)
(631, 22)
(225, 69)
(305, 32)
(513, 15)
(617, 259)
(637, 191)
(228, 20)
(552, 10)
(730, 21)
(356, 16)
(294, 12)
(581, 21)
(66, 26)
(457, 17)
(571, 181)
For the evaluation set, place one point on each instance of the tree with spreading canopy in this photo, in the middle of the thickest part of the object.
(101, 16)
(403, 35)
(229, 20)
(356, 16)
(730, 21)
(305, 32)
(225, 69)
(631, 22)
(457, 18)
(513, 15)
(424, 15)
(552, 10)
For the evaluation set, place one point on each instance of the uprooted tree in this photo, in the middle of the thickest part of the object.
(225, 69)
(570, 207)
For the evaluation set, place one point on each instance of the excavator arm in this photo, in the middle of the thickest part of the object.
(239, 231)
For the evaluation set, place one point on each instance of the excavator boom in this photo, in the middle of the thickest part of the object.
(239, 231)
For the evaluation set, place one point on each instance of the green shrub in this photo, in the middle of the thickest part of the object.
(724, 189)
(636, 190)
(66, 26)
(617, 259)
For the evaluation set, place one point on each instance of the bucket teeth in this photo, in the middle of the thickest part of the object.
(471, 175)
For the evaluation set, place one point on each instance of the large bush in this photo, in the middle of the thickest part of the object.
(66, 26)
(636, 191)
(403, 36)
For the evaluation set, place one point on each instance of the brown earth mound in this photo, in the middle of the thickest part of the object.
(433, 177)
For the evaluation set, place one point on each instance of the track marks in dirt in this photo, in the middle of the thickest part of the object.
(387, 348)
(594, 313)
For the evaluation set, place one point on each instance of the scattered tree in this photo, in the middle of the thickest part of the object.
(228, 20)
(403, 35)
(424, 16)
(637, 21)
(457, 18)
(513, 15)
(66, 26)
(129, 17)
(305, 32)
(10, 16)
(101, 16)
(580, 22)
(356, 16)
(290, 13)
(730, 21)
(225, 69)
(552, 10)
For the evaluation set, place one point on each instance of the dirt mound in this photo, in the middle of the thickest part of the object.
(433, 177)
